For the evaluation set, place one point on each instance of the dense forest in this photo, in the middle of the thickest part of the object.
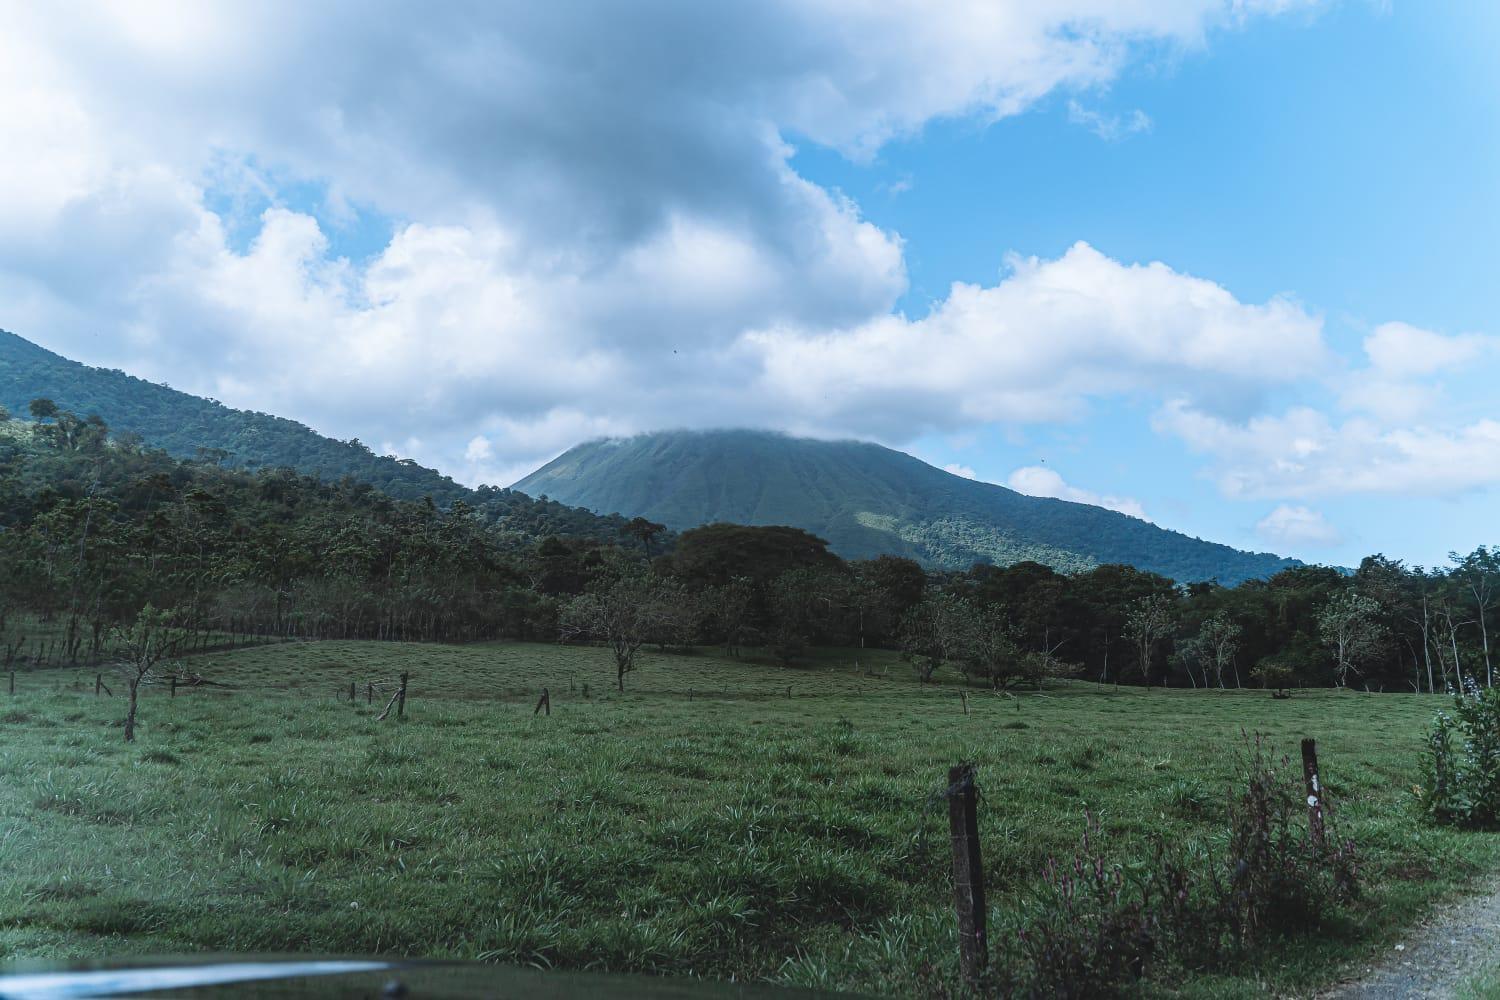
(94, 528)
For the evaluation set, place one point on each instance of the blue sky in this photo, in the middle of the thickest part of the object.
(1226, 264)
(1351, 160)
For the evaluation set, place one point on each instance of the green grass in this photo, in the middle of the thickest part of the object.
(1484, 985)
(736, 833)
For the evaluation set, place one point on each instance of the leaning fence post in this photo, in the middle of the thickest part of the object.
(545, 701)
(1314, 789)
(964, 695)
(401, 698)
(968, 873)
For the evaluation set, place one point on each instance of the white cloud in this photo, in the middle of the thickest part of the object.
(1036, 347)
(1401, 435)
(479, 449)
(1033, 480)
(1303, 453)
(595, 226)
(1403, 350)
(1398, 384)
(1297, 526)
(1110, 128)
(1391, 400)
(960, 470)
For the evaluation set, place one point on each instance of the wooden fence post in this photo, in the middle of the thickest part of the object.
(968, 873)
(1314, 789)
(965, 696)
(351, 692)
(401, 697)
(98, 682)
(369, 692)
(174, 685)
(545, 701)
(789, 692)
(12, 682)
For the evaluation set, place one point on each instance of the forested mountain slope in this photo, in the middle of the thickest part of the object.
(92, 529)
(188, 426)
(868, 500)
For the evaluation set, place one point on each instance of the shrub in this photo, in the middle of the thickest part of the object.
(1094, 932)
(1461, 783)
(1090, 935)
(1279, 876)
(1273, 675)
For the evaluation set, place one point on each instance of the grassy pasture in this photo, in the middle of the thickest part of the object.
(736, 833)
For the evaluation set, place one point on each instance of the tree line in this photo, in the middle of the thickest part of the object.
(1385, 626)
(95, 527)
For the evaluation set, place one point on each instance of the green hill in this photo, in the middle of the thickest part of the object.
(868, 501)
(187, 426)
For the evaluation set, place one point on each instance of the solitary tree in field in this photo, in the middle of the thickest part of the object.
(936, 632)
(991, 649)
(1350, 624)
(622, 609)
(1149, 621)
(143, 644)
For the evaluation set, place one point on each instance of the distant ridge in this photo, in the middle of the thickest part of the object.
(184, 426)
(868, 500)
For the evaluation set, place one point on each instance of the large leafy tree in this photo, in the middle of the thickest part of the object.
(936, 633)
(1149, 620)
(718, 553)
(1350, 625)
(1217, 642)
(622, 609)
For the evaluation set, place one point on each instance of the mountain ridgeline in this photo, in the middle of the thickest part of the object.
(187, 426)
(867, 501)
(864, 499)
